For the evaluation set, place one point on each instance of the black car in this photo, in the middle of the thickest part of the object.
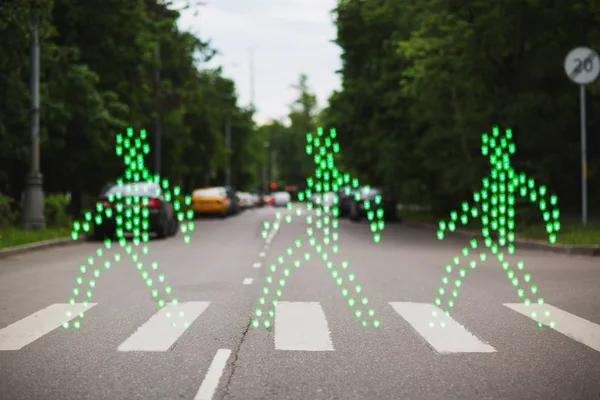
(234, 199)
(162, 218)
(387, 202)
(346, 198)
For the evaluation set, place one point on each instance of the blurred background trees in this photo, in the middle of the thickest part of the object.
(421, 80)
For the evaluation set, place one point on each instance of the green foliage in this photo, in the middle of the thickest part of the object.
(8, 216)
(422, 79)
(55, 211)
(286, 156)
(98, 64)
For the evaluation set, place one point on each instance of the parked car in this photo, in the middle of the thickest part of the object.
(388, 203)
(162, 218)
(243, 200)
(261, 200)
(214, 201)
(233, 197)
(346, 198)
(280, 199)
(247, 200)
(323, 199)
(256, 198)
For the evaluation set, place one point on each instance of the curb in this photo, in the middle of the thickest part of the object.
(582, 250)
(46, 244)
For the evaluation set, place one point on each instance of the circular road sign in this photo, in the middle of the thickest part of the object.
(582, 65)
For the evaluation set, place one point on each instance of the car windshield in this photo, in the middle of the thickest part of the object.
(211, 192)
(326, 198)
(371, 191)
(347, 191)
(326, 195)
(134, 189)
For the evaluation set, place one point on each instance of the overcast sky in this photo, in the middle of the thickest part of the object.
(288, 37)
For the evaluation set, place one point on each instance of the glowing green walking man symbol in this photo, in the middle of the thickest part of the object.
(130, 213)
(321, 216)
(496, 211)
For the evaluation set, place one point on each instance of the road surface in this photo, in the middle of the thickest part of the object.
(316, 348)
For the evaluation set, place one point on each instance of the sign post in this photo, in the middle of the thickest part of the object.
(582, 66)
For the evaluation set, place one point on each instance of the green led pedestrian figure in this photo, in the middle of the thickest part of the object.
(495, 208)
(130, 214)
(322, 216)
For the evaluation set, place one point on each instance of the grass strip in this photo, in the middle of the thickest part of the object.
(11, 237)
(570, 234)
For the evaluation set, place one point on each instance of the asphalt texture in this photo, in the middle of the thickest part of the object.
(392, 361)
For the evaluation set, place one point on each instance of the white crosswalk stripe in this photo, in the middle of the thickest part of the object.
(165, 327)
(572, 326)
(38, 324)
(442, 332)
(301, 326)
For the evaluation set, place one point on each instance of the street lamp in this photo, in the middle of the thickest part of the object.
(33, 207)
(265, 174)
(228, 146)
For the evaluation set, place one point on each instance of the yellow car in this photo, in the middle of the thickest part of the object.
(211, 201)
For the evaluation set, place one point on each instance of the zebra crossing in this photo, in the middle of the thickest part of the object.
(299, 326)
(452, 338)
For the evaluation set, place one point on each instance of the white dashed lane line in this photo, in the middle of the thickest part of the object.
(247, 281)
(213, 375)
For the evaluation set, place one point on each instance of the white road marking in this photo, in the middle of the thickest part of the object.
(570, 325)
(31, 328)
(256, 265)
(272, 234)
(161, 331)
(213, 375)
(301, 326)
(446, 335)
(262, 254)
(247, 281)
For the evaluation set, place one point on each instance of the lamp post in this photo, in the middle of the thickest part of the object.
(33, 208)
(228, 145)
(265, 169)
(157, 127)
(251, 56)
(273, 162)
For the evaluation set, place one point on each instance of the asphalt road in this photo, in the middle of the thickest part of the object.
(316, 348)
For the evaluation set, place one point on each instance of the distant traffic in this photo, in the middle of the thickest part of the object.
(223, 201)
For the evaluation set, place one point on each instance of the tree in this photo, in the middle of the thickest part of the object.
(421, 80)
(289, 142)
(97, 78)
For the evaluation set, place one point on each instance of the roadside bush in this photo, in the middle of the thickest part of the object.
(56, 211)
(8, 216)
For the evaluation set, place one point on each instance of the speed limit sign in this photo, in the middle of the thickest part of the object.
(582, 65)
